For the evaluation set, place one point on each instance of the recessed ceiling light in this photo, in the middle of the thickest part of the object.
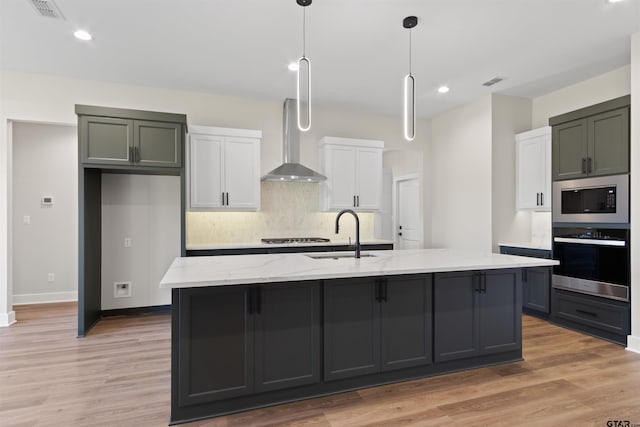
(293, 66)
(614, 1)
(443, 89)
(82, 35)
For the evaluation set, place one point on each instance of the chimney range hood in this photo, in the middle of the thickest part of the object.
(291, 170)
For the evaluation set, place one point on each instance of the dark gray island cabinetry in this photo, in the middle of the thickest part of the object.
(258, 330)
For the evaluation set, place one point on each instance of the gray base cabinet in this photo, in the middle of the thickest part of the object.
(476, 313)
(535, 289)
(376, 324)
(238, 340)
(247, 346)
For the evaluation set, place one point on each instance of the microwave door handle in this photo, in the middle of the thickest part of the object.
(595, 242)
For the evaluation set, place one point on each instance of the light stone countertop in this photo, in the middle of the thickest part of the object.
(205, 246)
(188, 272)
(528, 245)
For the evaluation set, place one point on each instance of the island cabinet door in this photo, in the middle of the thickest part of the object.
(216, 344)
(351, 328)
(456, 315)
(500, 311)
(405, 321)
(287, 335)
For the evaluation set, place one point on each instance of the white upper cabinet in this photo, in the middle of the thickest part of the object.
(223, 168)
(354, 174)
(533, 169)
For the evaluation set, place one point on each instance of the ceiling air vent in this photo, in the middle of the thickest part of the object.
(47, 8)
(493, 81)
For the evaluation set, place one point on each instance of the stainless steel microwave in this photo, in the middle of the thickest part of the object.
(603, 199)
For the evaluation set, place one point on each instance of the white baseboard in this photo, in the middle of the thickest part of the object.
(633, 343)
(7, 319)
(45, 298)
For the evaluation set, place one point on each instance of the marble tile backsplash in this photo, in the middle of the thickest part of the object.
(287, 209)
(541, 228)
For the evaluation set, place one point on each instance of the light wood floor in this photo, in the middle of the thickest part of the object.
(119, 376)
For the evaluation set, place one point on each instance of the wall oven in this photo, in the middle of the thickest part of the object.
(593, 261)
(592, 200)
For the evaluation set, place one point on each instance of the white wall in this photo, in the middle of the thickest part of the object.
(460, 177)
(633, 342)
(41, 98)
(146, 209)
(45, 164)
(602, 88)
(510, 115)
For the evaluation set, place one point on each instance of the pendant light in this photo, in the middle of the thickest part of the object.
(409, 103)
(303, 89)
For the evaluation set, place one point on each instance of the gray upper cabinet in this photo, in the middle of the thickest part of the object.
(119, 138)
(477, 313)
(592, 141)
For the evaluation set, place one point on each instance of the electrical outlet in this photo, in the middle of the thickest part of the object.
(51, 277)
(121, 289)
(127, 242)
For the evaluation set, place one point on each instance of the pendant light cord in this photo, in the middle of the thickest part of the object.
(410, 52)
(304, 31)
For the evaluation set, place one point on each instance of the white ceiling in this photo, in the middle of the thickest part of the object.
(358, 48)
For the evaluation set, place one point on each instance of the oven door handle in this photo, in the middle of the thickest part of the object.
(596, 242)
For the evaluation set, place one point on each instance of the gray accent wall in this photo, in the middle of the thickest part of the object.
(44, 164)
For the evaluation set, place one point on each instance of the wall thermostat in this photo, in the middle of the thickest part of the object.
(47, 201)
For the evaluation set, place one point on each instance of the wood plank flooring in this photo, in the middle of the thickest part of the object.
(119, 376)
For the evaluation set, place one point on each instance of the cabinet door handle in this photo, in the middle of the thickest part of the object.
(222, 198)
(589, 313)
(537, 199)
(476, 282)
(250, 300)
(258, 292)
(589, 163)
(357, 201)
(584, 165)
(484, 283)
(385, 291)
(132, 159)
(137, 154)
(541, 199)
(227, 203)
(377, 291)
(354, 201)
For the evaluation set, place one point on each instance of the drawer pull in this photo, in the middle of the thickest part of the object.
(588, 313)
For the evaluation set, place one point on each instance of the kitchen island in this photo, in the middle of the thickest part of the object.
(257, 330)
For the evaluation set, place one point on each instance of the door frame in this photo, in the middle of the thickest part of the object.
(397, 180)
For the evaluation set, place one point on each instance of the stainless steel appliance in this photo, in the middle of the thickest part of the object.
(593, 261)
(592, 200)
(283, 240)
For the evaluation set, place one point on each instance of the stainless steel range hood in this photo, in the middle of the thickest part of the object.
(291, 170)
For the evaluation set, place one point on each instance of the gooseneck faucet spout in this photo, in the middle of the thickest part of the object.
(355, 215)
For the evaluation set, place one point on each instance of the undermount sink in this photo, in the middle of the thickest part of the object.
(339, 255)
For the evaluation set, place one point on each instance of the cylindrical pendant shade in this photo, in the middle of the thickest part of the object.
(304, 94)
(409, 117)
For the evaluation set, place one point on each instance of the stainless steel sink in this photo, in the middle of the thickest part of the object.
(339, 255)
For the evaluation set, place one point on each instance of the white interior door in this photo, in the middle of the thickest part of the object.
(409, 229)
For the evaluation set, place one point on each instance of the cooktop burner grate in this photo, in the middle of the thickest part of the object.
(277, 240)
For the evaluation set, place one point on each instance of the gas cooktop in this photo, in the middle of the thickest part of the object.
(277, 240)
